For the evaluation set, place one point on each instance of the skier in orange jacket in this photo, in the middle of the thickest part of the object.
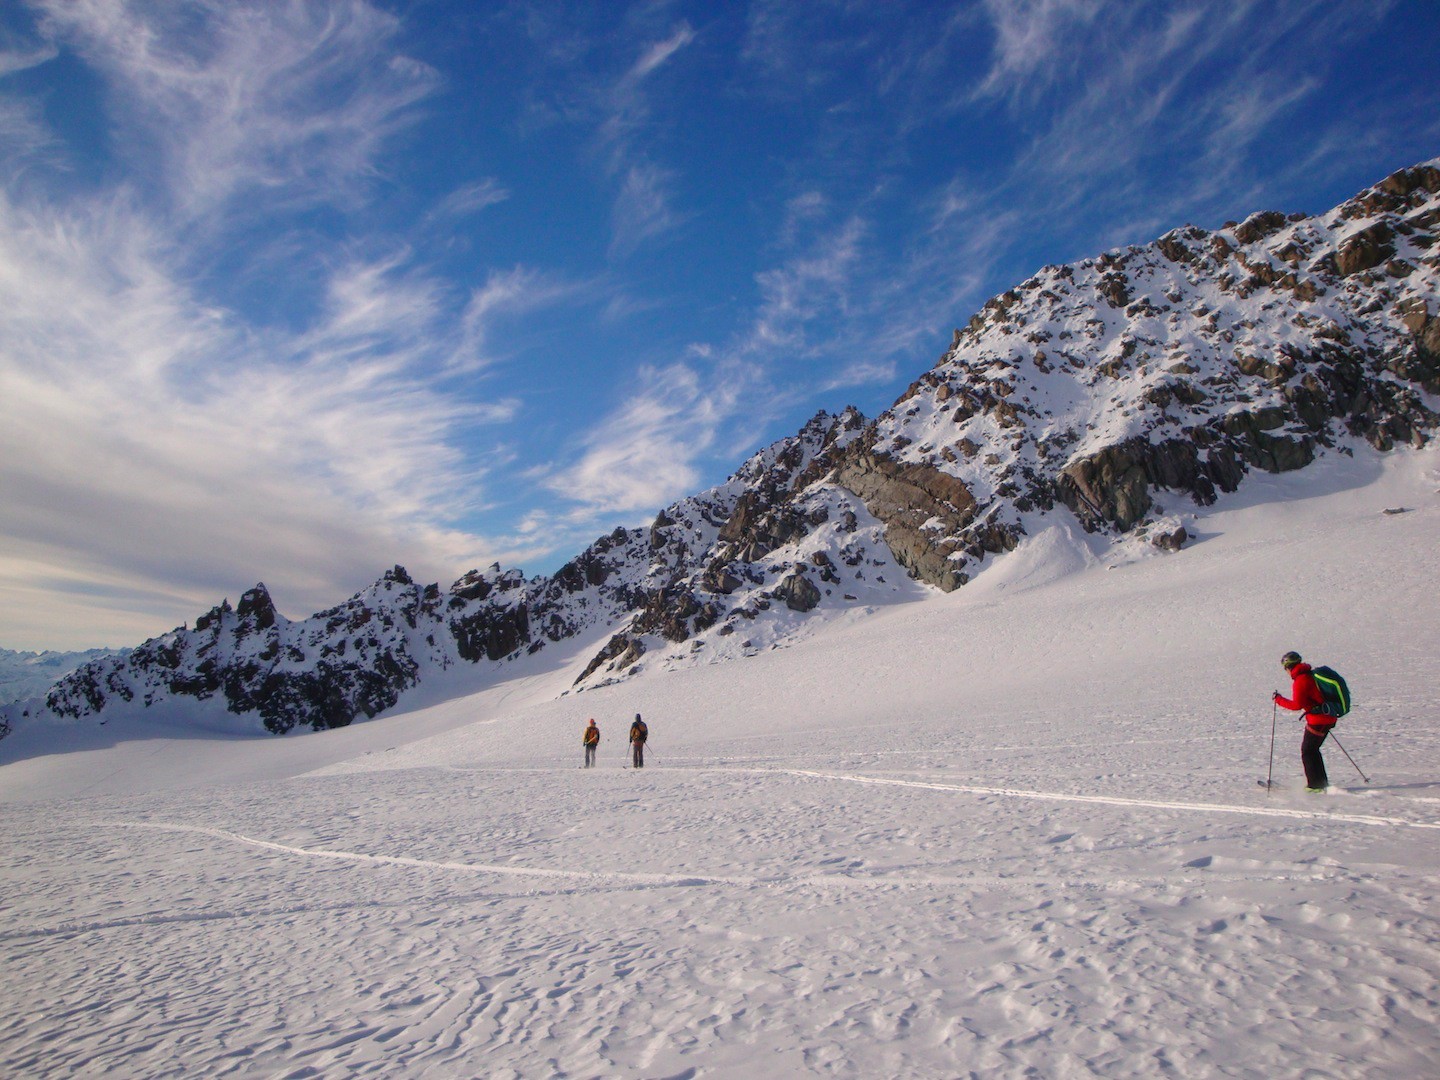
(591, 739)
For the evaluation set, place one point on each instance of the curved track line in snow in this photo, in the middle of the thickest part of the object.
(1116, 800)
(598, 877)
(584, 881)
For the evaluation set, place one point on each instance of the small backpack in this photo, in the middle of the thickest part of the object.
(1333, 691)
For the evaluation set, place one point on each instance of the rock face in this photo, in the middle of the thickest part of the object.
(1095, 389)
(1181, 366)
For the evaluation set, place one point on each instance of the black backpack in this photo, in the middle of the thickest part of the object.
(1333, 691)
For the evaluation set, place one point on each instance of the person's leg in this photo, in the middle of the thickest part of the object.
(1315, 775)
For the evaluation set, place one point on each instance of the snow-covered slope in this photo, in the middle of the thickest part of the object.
(1113, 397)
(1012, 830)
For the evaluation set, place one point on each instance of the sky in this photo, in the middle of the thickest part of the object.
(295, 291)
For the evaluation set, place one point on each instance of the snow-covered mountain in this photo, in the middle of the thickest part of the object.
(27, 674)
(1088, 394)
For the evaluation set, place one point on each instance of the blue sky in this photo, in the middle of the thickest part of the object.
(293, 291)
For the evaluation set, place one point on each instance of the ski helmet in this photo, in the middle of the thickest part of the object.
(1289, 660)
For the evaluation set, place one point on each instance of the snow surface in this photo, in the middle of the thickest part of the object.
(1008, 831)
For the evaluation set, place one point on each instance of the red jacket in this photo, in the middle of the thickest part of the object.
(1305, 694)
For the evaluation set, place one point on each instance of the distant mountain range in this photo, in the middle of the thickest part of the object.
(29, 674)
(1091, 391)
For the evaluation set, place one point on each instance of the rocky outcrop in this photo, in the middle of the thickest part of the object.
(798, 592)
(926, 511)
(1259, 346)
(1366, 249)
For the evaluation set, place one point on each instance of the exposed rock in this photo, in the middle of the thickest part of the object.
(621, 652)
(798, 592)
(1260, 225)
(906, 497)
(1170, 540)
(1366, 250)
(257, 608)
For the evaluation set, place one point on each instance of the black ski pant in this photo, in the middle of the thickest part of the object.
(589, 754)
(1315, 776)
(639, 755)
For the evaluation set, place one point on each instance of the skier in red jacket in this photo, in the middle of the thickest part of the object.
(1305, 697)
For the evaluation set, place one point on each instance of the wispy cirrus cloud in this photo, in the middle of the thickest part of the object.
(811, 286)
(24, 138)
(642, 208)
(162, 448)
(25, 141)
(642, 454)
(506, 294)
(470, 199)
(1034, 43)
(291, 100)
(156, 448)
(1138, 86)
(21, 59)
(660, 52)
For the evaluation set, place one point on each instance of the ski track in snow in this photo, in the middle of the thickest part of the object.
(612, 879)
(1111, 800)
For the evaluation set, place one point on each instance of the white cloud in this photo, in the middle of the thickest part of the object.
(1033, 42)
(505, 294)
(470, 199)
(661, 52)
(807, 287)
(157, 450)
(288, 101)
(24, 137)
(643, 455)
(13, 60)
(642, 208)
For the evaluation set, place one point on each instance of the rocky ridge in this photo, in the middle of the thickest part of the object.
(1181, 365)
(1091, 391)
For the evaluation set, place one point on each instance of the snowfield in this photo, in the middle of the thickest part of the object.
(1010, 831)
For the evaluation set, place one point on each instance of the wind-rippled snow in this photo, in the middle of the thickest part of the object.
(1012, 831)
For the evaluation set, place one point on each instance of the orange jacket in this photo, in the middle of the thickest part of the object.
(592, 735)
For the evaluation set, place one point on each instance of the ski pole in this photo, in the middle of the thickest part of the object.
(1351, 759)
(1270, 769)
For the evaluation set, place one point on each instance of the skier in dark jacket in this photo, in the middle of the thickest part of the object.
(591, 739)
(1305, 697)
(638, 734)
